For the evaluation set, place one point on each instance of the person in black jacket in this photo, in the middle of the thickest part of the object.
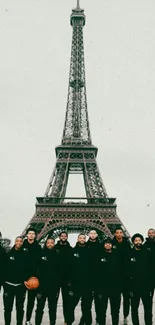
(33, 250)
(65, 250)
(2, 263)
(150, 241)
(150, 245)
(49, 282)
(109, 282)
(16, 272)
(140, 280)
(79, 285)
(93, 245)
(123, 247)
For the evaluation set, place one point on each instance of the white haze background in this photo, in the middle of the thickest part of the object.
(119, 40)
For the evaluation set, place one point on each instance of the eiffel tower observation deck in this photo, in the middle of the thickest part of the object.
(76, 154)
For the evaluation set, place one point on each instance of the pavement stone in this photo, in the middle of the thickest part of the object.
(60, 320)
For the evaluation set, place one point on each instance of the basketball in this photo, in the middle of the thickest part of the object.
(33, 283)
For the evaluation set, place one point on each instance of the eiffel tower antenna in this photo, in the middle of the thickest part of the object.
(78, 4)
(76, 154)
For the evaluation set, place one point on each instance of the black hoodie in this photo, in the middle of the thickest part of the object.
(34, 253)
(109, 272)
(16, 266)
(123, 248)
(66, 256)
(150, 244)
(124, 251)
(94, 249)
(80, 268)
(49, 270)
(139, 268)
(2, 264)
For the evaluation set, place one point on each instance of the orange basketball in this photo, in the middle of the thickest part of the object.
(33, 283)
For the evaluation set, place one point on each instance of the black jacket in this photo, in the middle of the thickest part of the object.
(109, 272)
(123, 248)
(94, 249)
(16, 266)
(34, 253)
(150, 245)
(49, 270)
(66, 255)
(2, 264)
(80, 268)
(140, 270)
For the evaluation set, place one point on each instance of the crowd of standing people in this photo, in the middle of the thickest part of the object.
(91, 271)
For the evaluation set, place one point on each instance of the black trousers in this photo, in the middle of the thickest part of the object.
(146, 298)
(73, 302)
(52, 298)
(65, 299)
(86, 307)
(126, 298)
(152, 292)
(11, 292)
(30, 303)
(115, 300)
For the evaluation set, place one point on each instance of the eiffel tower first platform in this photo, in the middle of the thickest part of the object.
(76, 154)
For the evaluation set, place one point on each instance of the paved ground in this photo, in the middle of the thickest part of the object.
(78, 315)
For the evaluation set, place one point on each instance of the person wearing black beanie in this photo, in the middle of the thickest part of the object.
(139, 267)
(137, 235)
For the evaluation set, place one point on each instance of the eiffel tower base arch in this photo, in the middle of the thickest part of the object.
(50, 219)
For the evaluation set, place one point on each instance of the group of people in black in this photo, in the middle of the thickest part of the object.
(91, 271)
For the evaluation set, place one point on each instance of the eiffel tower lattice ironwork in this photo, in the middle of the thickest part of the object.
(76, 154)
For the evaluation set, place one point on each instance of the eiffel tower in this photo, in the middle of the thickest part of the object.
(76, 154)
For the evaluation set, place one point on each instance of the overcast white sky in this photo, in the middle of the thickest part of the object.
(119, 39)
